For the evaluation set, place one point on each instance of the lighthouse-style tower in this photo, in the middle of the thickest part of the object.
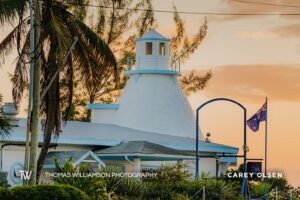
(152, 52)
(152, 99)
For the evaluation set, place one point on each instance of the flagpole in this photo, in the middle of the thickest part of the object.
(266, 149)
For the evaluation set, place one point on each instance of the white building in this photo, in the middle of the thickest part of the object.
(151, 109)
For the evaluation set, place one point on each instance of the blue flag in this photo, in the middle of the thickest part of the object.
(259, 116)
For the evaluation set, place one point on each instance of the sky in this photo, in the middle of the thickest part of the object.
(251, 57)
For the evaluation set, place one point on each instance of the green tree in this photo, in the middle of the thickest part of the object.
(59, 28)
(4, 125)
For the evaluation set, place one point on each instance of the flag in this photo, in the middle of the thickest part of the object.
(259, 116)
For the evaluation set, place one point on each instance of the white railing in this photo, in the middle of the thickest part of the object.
(153, 64)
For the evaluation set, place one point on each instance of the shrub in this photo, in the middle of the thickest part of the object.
(130, 188)
(171, 173)
(94, 187)
(112, 183)
(257, 189)
(45, 192)
(215, 190)
(4, 193)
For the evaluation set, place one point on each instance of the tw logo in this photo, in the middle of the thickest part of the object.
(25, 175)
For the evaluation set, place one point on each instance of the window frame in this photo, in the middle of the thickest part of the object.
(149, 48)
(162, 49)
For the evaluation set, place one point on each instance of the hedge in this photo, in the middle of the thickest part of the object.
(4, 193)
(45, 192)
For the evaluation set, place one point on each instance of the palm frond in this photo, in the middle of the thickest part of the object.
(7, 44)
(10, 9)
(20, 76)
(68, 91)
(99, 47)
(4, 125)
(92, 55)
(76, 7)
(60, 30)
(85, 62)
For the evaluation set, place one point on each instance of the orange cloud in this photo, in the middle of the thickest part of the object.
(291, 30)
(256, 34)
(250, 83)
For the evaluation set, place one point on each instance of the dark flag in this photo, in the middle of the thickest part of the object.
(259, 116)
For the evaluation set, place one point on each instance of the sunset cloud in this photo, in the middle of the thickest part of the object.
(291, 30)
(256, 34)
(250, 83)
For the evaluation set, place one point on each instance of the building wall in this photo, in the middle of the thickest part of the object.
(156, 103)
(14, 156)
(105, 116)
(154, 61)
(128, 167)
(208, 165)
(223, 167)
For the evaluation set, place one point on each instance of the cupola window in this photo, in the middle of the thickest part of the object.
(148, 48)
(162, 49)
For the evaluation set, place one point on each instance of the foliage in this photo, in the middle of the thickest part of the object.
(177, 196)
(204, 176)
(280, 183)
(59, 27)
(45, 192)
(4, 124)
(296, 193)
(169, 173)
(215, 189)
(256, 185)
(4, 193)
(112, 183)
(194, 81)
(119, 27)
(130, 188)
(99, 188)
(257, 189)
(182, 45)
(94, 187)
(283, 188)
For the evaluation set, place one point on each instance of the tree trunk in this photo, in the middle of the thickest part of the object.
(35, 96)
(51, 108)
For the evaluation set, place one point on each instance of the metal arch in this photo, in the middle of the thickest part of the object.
(221, 99)
(243, 188)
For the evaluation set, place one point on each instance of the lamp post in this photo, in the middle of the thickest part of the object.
(245, 148)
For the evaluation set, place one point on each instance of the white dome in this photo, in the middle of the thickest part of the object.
(156, 103)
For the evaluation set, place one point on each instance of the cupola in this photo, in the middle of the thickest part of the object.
(153, 55)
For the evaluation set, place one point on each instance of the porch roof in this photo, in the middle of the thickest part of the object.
(63, 156)
(143, 149)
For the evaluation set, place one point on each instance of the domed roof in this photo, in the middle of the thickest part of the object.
(152, 35)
